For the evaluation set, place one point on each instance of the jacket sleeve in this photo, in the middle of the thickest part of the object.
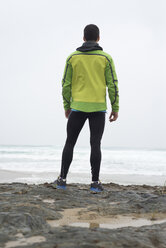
(112, 84)
(66, 85)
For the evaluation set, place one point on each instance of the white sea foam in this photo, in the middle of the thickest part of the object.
(114, 161)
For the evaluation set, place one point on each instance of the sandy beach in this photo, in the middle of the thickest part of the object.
(120, 216)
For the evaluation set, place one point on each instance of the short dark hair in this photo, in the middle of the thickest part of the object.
(91, 32)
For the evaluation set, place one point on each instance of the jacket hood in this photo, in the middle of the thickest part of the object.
(89, 46)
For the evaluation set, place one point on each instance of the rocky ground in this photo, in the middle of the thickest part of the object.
(121, 216)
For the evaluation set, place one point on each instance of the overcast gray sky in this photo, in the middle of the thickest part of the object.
(36, 37)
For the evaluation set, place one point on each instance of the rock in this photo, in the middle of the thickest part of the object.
(26, 209)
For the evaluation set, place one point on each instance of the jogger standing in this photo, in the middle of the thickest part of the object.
(88, 71)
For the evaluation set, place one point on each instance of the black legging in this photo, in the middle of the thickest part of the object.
(75, 123)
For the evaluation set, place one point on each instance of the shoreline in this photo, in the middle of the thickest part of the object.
(7, 176)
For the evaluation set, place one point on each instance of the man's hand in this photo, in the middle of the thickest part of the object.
(113, 116)
(67, 113)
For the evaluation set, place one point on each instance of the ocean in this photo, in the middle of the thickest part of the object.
(39, 164)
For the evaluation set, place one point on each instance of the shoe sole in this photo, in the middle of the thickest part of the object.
(60, 187)
(96, 190)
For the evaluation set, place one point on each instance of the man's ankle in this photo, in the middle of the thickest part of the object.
(62, 178)
(95, 181)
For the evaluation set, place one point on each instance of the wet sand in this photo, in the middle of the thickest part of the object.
(43, 216)
(7, 176)
(84, 218)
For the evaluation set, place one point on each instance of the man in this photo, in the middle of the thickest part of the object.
(88, 71)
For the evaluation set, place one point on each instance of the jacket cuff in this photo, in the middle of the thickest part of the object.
(66, 108)
(115, 109)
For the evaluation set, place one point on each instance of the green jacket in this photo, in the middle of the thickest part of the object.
(88, 71)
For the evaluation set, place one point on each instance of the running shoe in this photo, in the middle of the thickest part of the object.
(60, 183)
(96, 186)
